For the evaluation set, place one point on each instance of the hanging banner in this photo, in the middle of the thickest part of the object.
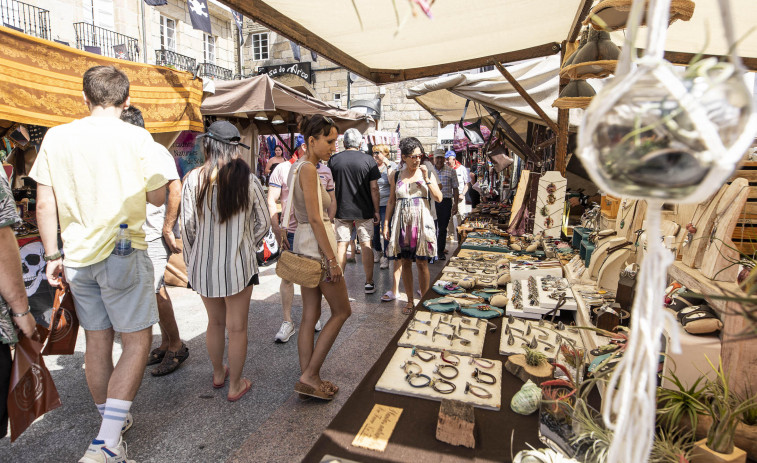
(187, 152)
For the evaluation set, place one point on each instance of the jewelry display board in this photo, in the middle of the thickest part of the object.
(545, 303)
(522, 269)
(449, 329)
(393, 380)
(544, 337)
(550, 203)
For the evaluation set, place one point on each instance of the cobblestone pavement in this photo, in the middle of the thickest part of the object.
(180, 417)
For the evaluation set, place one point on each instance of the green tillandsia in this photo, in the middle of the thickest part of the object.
(534, 358)
(672, 446)
(677, 402)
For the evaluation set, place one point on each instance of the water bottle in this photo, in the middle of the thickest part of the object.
(123, 241)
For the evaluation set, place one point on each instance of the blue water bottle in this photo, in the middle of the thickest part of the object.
(123, 241)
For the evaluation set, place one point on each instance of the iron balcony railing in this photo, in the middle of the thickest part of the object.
(215, 72)
(25, 18)
(170, 58)
(106, 42)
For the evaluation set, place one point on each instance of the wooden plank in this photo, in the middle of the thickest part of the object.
(749, 209)
(581, 13)
(677, 57)
(524, 94)
(750, 175)
(561, 155)
(514, 137)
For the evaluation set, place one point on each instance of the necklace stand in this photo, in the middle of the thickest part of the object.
(693, 253)
(598, 257)
(554, 210)
(626, 215)
(609, 273)
(520, 194)
(718, 256)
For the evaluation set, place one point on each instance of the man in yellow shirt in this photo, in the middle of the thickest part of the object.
(94, 175)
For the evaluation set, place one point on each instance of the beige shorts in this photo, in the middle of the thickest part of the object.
(344, 230)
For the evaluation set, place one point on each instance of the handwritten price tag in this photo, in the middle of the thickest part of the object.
(377, 428)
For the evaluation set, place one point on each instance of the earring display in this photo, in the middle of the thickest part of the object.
(543, 336)
(521, 269)
(437, 332)
(444, 378)
(539, 296)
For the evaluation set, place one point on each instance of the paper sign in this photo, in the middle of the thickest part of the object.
(377, 428)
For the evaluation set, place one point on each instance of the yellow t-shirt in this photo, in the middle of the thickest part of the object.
(100, 169)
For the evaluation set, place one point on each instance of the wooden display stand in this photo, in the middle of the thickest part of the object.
(520, 194)
(456, 423)
(554, 210)
(609, 273)
(720, 252)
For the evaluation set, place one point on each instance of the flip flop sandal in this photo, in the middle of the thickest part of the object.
(408, 308)
(484, 311)
(700, 320)
(441, 304)
(388, 296)
(156, 356)
(320, 393)
(241, 394)
(171, 361)
(331, 387)
(225, 377)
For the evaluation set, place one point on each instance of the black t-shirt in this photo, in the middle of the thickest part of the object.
(353, 171)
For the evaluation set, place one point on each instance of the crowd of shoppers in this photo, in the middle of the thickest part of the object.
(104, 173)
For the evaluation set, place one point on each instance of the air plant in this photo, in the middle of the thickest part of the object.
(679, 402)
(672, 447)
(573, 356)
(534, 358)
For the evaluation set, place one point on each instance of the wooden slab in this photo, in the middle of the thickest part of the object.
(520, 194)
(694, 251)
(718, 255)
(393, 381)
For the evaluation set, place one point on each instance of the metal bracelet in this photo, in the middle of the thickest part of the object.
(482, 394)
(435, 332)
(421, 332)
(439, 369)
(450, 358)
(463, 341)
(475, 331)
(488, 378)
(410, 378)
(19, 315)
(449, 389)
(420, 354)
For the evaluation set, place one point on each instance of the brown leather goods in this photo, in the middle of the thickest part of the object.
(32, 391)
(176, 269)
(64, 324)
(300, 270)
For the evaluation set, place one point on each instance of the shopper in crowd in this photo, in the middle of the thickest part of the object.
(447, 207)
(94, 175)
(413, 237)
(386, 167)
(474, 192)
(463, 179)
(315, 238)
(275, 160)
(14, 307)
(222, 198)
(278, 190)
(356, 178)
(161, 242)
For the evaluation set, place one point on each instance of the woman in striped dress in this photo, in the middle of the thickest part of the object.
(224, 218)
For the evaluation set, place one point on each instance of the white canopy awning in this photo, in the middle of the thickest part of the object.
(392, 46)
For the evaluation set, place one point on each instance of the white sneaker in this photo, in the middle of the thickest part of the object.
(128, 422)
(376, 256)
(384, 263)
(318, 326)
(99, 453)
(285, 332)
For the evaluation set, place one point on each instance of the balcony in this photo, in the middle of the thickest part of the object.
(106, 42)
(25, 18)
(215, 72)
(175, 60)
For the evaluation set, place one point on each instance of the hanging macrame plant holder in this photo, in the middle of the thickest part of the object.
(596, 60)
(576, 95)
(653, 134)
(612, 15)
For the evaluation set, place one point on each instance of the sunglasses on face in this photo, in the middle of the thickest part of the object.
(414, 158)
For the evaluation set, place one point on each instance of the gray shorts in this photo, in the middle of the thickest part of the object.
(117, 292)
(157, 251)
(344, 230)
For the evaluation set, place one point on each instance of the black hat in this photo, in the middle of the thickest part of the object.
(225, 132)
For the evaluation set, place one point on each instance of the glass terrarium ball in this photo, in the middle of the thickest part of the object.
(651, 145)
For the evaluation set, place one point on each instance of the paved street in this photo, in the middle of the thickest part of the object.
(180, 417)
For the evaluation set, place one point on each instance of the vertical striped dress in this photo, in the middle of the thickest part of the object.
(220, 257)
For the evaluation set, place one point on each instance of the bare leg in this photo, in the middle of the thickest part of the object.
(169, 330)
(215, 335)
(368, 261)
(341, 253)
(98, 361)
(127, 375)
(423, 275)
(407, 280)
(336, 296)
(286, 289)
(237, 311)
(396, 272)
(311, 313)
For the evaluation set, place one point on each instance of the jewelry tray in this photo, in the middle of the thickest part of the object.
(521, 324)
(474, 349)
(393, 380)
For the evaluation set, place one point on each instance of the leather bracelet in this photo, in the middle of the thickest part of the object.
(483, 394)
(490, 379)
(434, 382)
(421, 353)
(19, 315)
(409, 378)
(53, 257)
(454, 361)
(439, 370)
(483, 363)
(407, 367)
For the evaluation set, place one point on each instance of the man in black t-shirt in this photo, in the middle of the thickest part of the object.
(356, 177)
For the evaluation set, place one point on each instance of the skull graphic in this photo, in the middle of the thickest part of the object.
(33, 265)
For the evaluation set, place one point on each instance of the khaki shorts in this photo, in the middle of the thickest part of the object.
(118, 292)
(344, 230)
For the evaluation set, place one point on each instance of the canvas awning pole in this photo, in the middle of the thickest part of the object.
(290, 147)
(524, 94)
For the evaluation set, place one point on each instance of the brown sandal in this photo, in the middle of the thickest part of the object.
(156, 356)
(331, 387)
(310, 391)
(171, 361)
(408, 308)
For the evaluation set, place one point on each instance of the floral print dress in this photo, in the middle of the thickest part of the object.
(413, 232)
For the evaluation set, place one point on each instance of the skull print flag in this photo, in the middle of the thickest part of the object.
(198, 13)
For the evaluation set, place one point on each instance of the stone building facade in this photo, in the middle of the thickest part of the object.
(330, 84)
